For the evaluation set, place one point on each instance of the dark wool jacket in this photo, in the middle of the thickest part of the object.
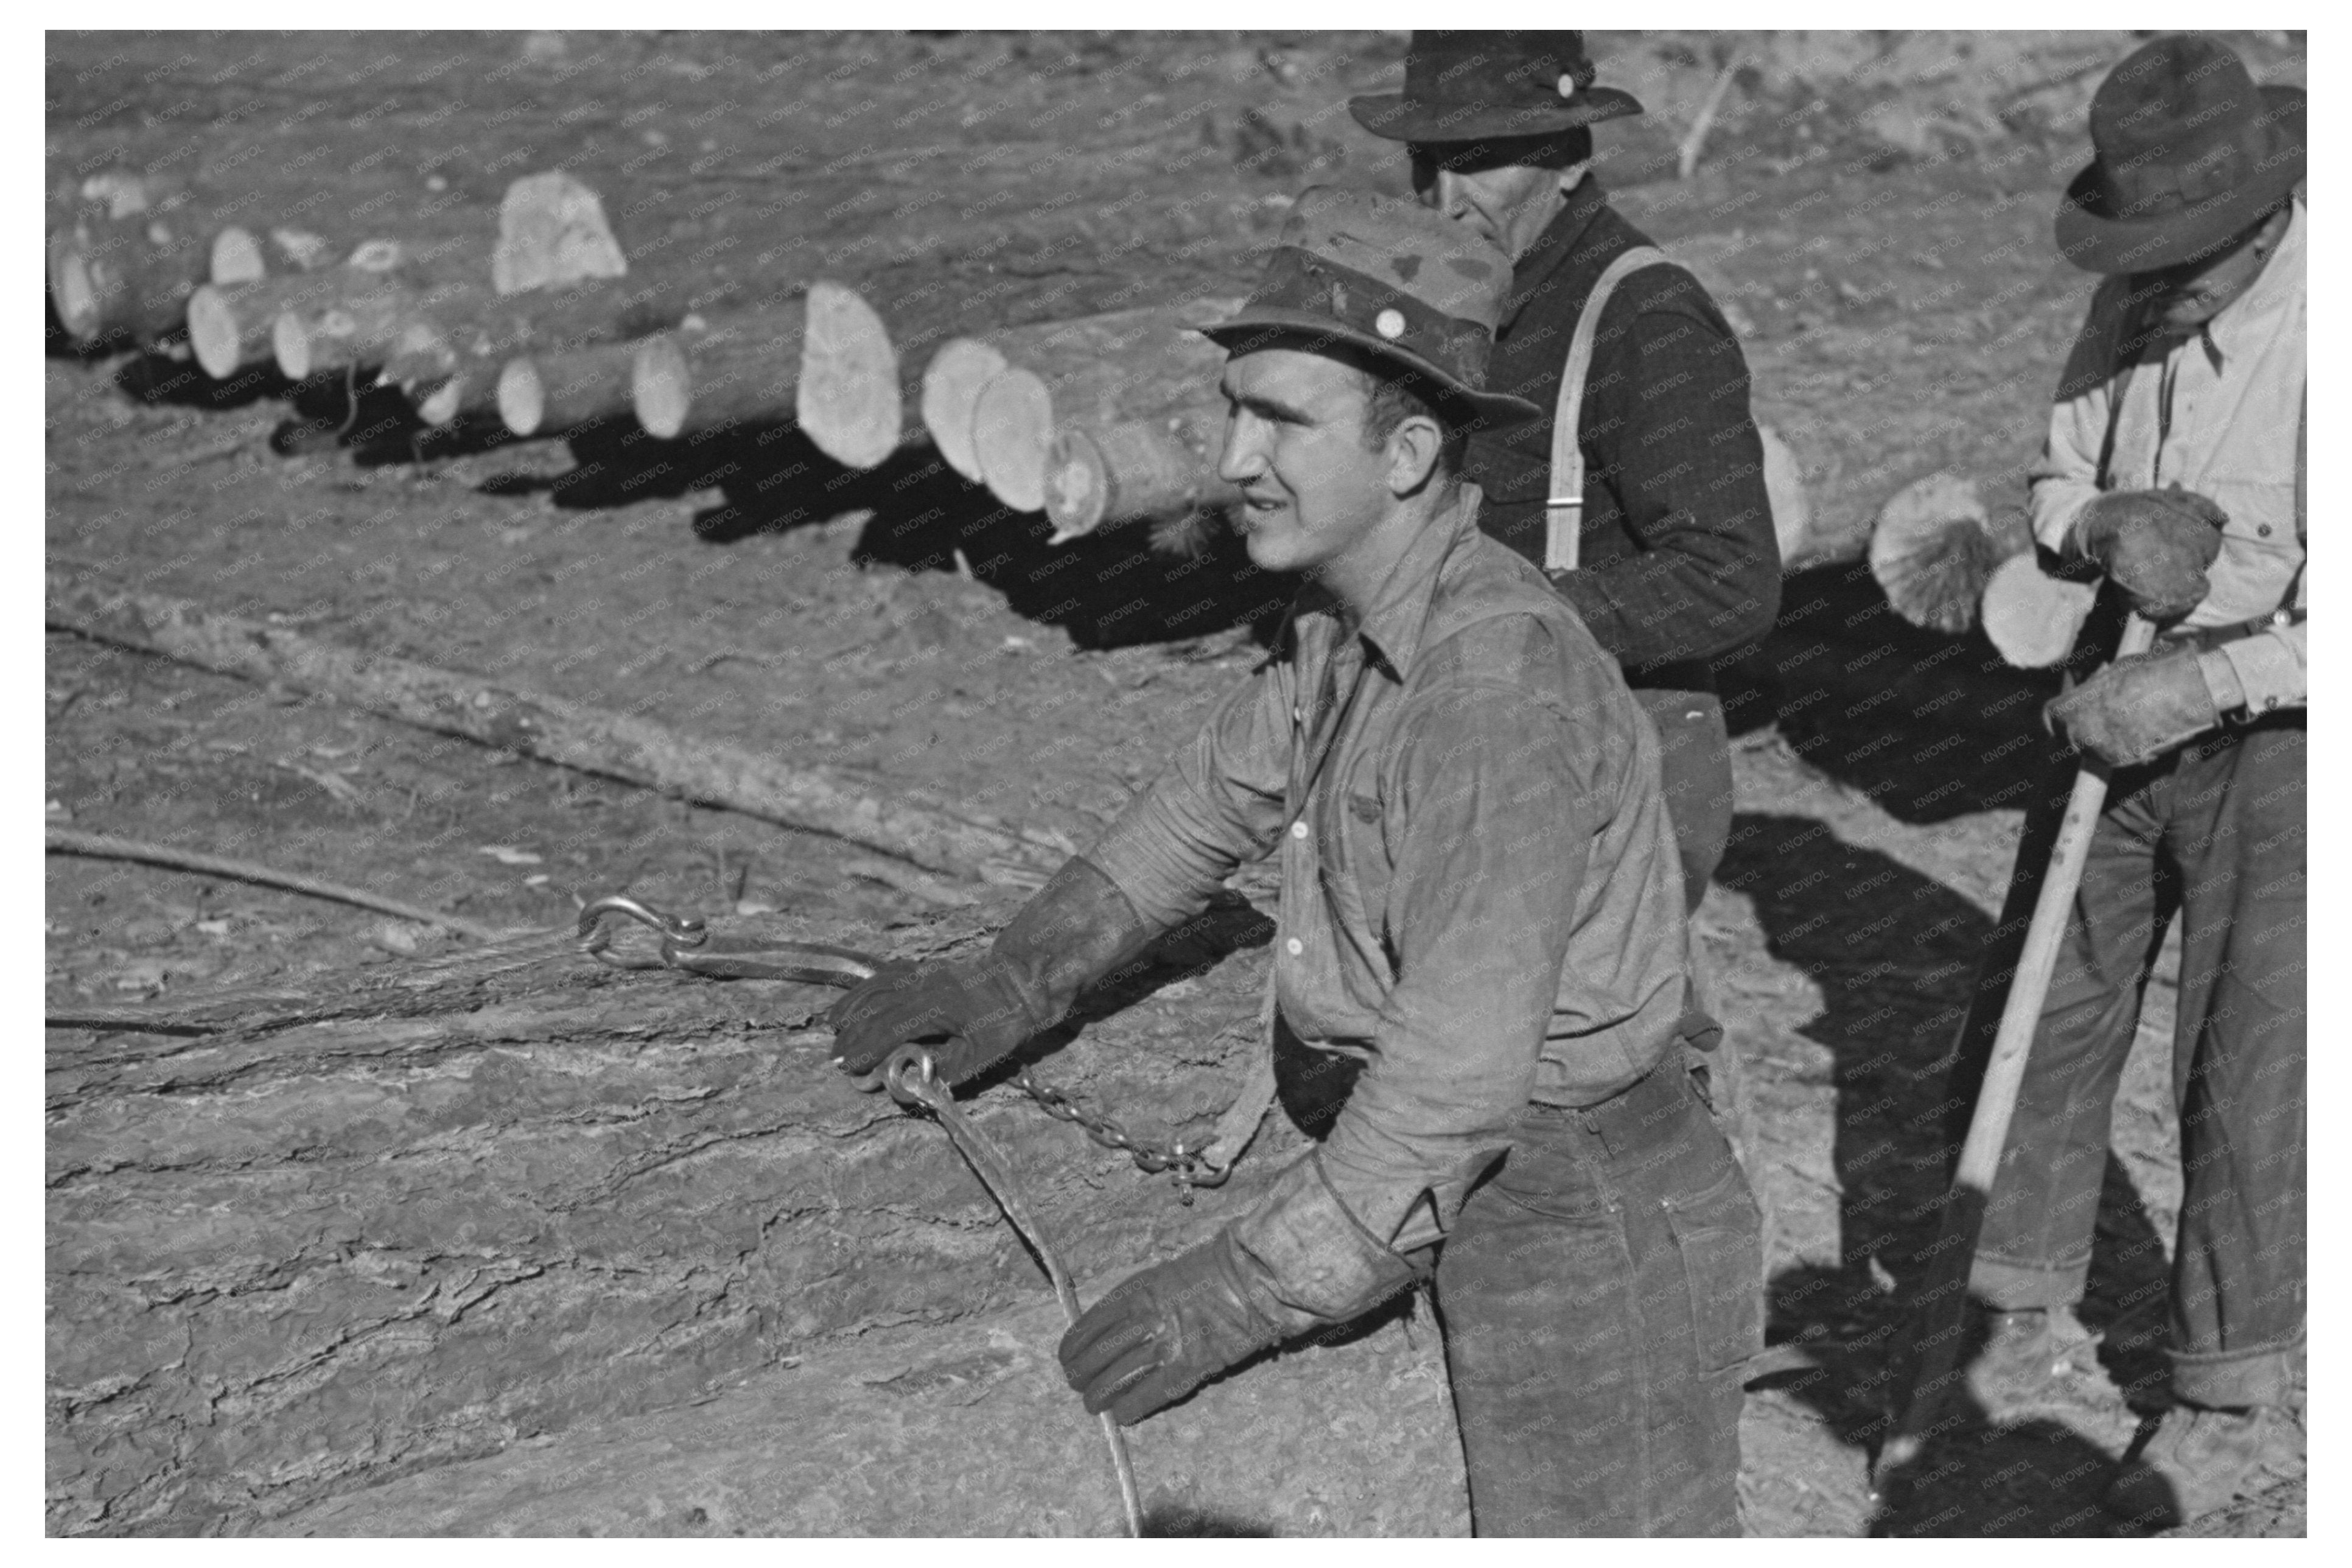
(1677, 563)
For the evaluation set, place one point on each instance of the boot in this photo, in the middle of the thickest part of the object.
(2026, 1359)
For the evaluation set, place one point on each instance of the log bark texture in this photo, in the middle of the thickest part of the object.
(554, 394)
(133, 273)
(1136, 471)
(285, 1264)
(1097, 371)
(616, 745)
(824, 362)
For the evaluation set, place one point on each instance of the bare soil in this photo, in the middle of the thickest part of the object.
(1874, 211)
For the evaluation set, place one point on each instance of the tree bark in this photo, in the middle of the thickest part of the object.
(284, 1264)
(1097, 371)
(616, 745)
(824, 362)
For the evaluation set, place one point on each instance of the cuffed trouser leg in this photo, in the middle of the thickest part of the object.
(2235, 814)
(1601, 1296)
(2034, 1250)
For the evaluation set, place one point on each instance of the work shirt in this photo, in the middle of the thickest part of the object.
(2219, 412)
(1677, 563)
(1480, 899)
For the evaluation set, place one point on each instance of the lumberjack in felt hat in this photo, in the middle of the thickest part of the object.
(1392, 280)
(1466, 87)
(2189, 155)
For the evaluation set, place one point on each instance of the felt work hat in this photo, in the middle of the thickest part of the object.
(1466, 87)
(1394, 279)
(2189, 153)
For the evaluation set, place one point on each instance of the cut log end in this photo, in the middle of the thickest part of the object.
(1784, 483)
(442, 403)
(1931, 553)
(523, 401)
(238, 258)
(847, 402)
(951, 384)
(289, 339)
(2031, 617)
(661, 387)
(1138, 470)
(1012, 429)
(212, 331)
(71, 292)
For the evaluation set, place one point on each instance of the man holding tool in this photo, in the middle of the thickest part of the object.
(1481, 923)
(2174, 464)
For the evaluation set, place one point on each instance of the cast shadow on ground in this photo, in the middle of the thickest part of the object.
(1929, 726)
(1896, 957)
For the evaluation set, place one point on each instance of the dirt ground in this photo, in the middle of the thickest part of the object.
(1875, 216)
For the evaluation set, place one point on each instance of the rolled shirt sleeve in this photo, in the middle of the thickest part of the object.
(1480, 912)
(1217, 804)
(2066, 478)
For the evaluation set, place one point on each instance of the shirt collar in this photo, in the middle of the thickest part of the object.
(2246, 321)
(1558, 242)
(1391, 630)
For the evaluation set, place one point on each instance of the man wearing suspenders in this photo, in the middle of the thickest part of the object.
(1642, 497)
(2174, 464)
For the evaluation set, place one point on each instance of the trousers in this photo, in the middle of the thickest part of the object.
(1600, 1295)
(2213, 832)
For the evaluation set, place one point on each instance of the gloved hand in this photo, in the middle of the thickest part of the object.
(2155, 545)
(972, 1008)
(1075, 928)
(1166, 1330)
(2138, 708)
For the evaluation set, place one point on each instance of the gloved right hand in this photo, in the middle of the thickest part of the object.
(970, 1005)
(2155, 546)
(1077, 927)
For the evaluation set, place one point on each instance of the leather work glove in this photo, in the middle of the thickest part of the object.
(1299, 1260)
(1075, 928)
(2155, 546)
(2138, 708)
(1166, 1330)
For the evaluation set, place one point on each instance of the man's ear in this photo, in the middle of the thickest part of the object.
(1412, 449)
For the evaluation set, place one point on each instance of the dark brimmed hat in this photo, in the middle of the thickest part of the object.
(2189, 152)
(1466, 87)
(1394, 279)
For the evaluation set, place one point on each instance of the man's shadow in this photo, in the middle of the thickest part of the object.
(1896, 956)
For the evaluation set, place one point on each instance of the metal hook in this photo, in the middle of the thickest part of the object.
(677, 931)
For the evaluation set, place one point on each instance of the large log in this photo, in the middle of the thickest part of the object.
(284, 1264)
(553, 393)
(133, 273)
(1097, 371)
(1141, 470)
(824, 362)
(616, 745)
(233, 327)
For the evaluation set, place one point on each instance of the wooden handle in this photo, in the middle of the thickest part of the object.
(1944, 1298)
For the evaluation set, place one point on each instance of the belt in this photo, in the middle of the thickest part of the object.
(1635, 1114)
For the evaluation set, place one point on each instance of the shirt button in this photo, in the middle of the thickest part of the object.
(1299, 830)
(1295, 947)
(2264, 528)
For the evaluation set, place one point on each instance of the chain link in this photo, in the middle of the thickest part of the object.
(1190, 1169)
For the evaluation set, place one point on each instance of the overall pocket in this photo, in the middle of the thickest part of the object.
(1719, 1233)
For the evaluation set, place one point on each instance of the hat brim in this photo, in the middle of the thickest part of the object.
(2097, 243)
(1393, 116)
(1494, 410)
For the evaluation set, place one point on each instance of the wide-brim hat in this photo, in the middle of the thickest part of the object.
(1394, 281)
(2189, 153)
(1468, 87)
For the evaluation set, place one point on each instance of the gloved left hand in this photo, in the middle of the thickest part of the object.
(2138, 708)
(1166, 1330)
(972, 1007)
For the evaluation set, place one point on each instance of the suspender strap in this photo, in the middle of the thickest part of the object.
(1564, 509)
